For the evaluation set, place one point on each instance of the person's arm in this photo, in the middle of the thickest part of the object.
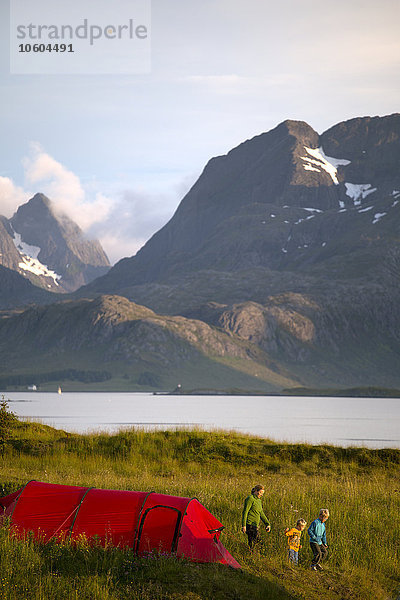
(323, 539)
(247, 504)
(311, 532)
(264, 519)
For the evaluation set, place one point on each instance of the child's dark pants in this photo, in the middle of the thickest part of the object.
(319, 553)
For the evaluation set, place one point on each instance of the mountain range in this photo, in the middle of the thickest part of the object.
(287, 247)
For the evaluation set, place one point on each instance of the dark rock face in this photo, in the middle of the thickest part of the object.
(68, 258)
(373, 147)
(18, 291)
(9, 255)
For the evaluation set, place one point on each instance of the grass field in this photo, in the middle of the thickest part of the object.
(360, 487)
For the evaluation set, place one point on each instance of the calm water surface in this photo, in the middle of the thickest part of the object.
(371, 422)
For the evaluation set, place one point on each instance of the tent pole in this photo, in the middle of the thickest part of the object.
(20, 494)
(134, 544)
(77, 510)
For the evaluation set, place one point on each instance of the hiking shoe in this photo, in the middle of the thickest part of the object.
(319, 567)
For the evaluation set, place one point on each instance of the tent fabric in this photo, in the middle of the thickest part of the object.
(145, 522)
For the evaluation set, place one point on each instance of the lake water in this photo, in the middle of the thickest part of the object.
(371, 422)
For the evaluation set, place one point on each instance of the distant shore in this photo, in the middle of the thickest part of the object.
(356, 392)
(352, 392)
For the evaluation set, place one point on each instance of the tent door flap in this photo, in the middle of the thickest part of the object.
(158, 529)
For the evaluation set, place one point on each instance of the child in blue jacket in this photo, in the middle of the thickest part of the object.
(317, 533)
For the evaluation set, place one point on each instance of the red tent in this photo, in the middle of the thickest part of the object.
(139, 520)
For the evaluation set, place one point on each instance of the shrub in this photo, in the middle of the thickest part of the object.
(7, 419)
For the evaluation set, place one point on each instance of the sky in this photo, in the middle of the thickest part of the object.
(117, 152)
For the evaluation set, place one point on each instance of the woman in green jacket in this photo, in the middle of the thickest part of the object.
(252, 515)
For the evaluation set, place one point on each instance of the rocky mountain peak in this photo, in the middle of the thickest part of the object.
(38, 215)
(47, 247)
(355, 136)
(372, 145)
(289, 200)
(39, 200)
(300, 130)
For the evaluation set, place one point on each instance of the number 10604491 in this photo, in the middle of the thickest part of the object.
(45, 48)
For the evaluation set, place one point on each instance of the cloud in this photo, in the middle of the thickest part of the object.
(134, 218)
(11, 197)
(63, 187)
(121, 219)
(121, 223)
(136, 214)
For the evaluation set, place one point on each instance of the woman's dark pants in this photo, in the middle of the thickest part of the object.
(253, 535)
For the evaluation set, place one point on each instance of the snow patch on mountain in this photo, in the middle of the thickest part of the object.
(37, 268)
(305, 219)
(23, 247)
(321, 161)
(29, 255)
(377, 217)
(359, 191)
(308, 166)
(365, 209)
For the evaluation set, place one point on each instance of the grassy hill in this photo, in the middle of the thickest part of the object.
(361, 488)
(111, 343)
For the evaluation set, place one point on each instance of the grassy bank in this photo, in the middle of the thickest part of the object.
(361, 488)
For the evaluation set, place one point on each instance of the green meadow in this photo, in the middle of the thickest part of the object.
(361, 488)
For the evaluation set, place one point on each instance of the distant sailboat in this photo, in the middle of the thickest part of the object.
(59, 390)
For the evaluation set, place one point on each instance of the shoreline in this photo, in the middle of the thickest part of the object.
(351, 392)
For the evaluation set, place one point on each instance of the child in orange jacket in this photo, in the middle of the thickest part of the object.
(294, 536)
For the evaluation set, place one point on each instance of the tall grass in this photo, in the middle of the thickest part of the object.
(361, 488)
